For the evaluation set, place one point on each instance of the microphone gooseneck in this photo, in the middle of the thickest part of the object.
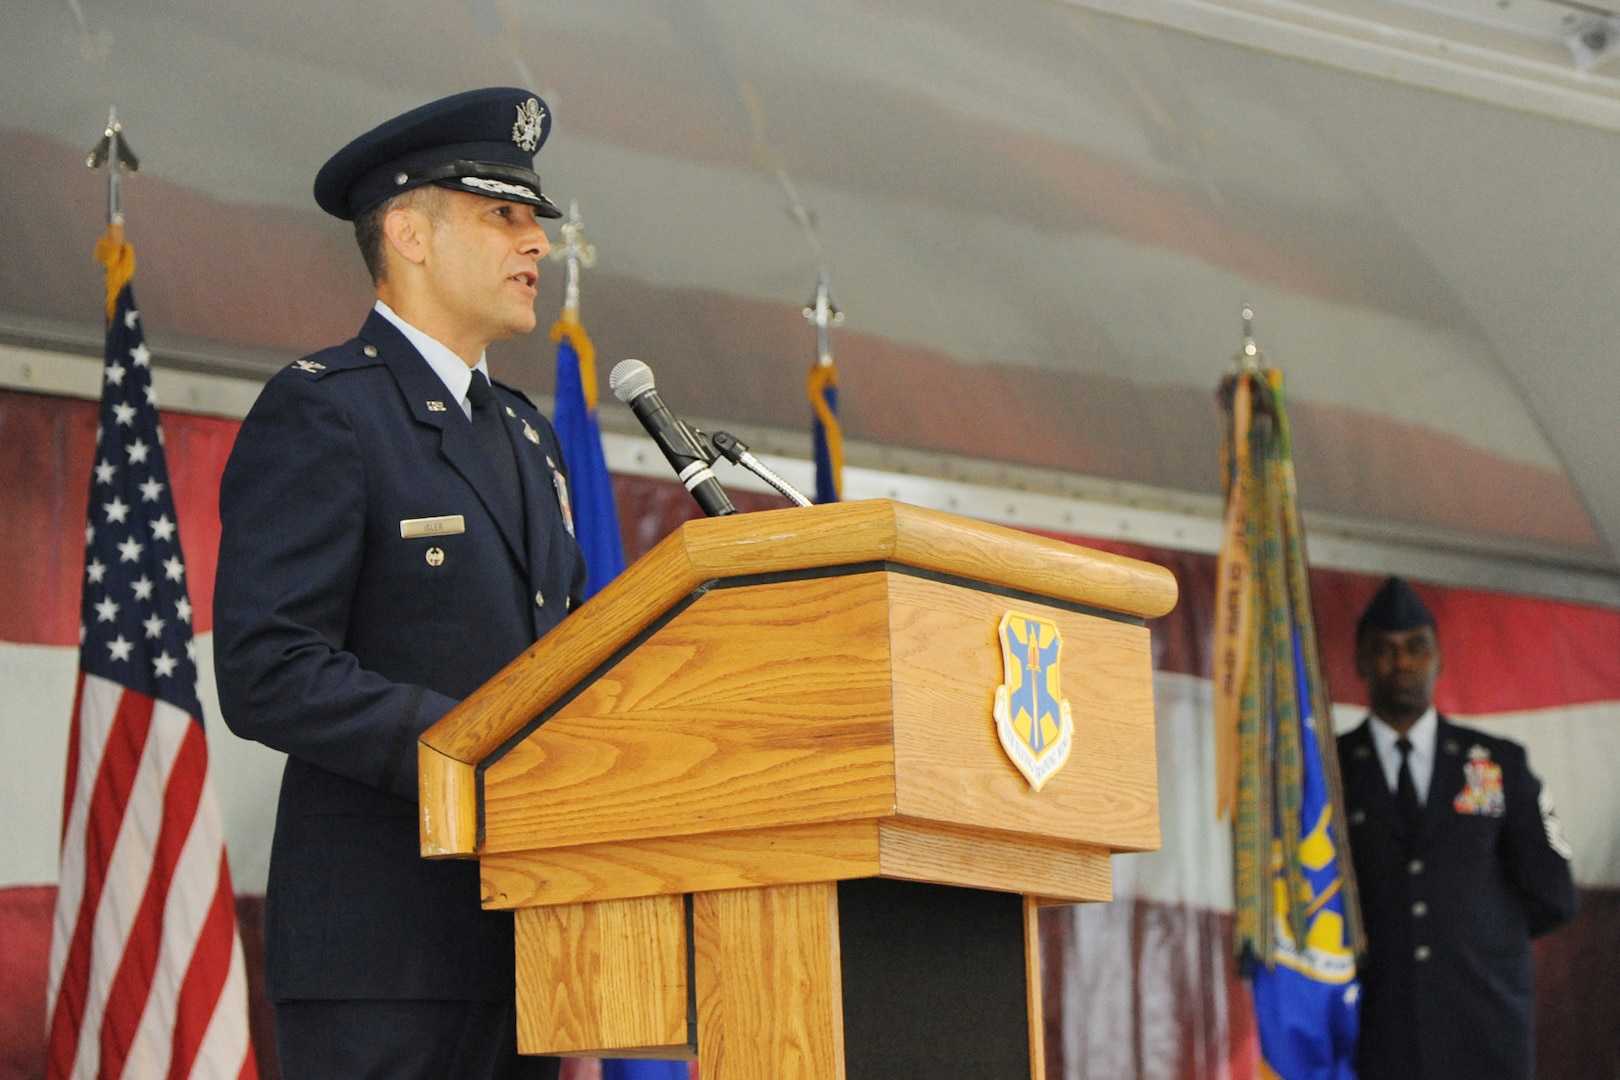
(632, 383)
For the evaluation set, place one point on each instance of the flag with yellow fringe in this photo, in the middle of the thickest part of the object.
(1295, 930)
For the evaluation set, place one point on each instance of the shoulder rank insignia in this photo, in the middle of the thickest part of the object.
(435, 406)
(531, 434)
(311, 366)
(1033, 721)
(1482, 786)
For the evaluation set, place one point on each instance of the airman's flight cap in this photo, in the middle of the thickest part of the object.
(481, 141)
(1394, 607)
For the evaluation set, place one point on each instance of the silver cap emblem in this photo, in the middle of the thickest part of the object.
(526, 132)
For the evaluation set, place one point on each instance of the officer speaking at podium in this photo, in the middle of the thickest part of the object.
(396, 528)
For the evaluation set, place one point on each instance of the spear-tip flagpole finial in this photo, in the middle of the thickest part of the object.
(1249, 358)
(113, 151)
(574, 253)
(824, 314)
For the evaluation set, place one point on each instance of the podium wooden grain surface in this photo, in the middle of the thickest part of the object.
(762, 707)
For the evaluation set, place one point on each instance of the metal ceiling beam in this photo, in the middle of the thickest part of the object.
(1403, 43)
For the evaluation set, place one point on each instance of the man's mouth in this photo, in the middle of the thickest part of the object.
(527, 278)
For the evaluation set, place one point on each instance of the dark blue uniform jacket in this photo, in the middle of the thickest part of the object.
(1446, 988)
(338, 641)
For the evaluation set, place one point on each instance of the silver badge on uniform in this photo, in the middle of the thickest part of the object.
(560, 482)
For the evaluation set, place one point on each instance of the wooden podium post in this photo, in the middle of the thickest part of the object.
(749, 802)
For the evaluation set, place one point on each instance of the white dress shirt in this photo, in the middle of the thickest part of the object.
(1420, 760)
(451, 369)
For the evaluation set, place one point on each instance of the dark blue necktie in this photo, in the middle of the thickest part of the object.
(491, 432)
(1406, 800)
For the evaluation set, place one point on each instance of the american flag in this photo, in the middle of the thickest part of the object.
(146, 969)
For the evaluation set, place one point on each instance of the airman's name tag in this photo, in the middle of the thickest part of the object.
(448, 525)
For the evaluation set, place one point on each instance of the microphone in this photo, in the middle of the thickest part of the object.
(632, 383)
(736, 452)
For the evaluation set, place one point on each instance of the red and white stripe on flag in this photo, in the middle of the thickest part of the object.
(147, 976)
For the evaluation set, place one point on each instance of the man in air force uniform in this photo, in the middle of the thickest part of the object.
(396, 529)
(1460, 862)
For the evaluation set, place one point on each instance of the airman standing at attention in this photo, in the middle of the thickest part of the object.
(1460, 862)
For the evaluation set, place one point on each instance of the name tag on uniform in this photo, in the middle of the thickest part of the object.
(448, 525)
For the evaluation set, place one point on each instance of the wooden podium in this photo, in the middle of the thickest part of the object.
(749, 802)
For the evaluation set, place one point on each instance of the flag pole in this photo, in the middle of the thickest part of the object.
(576, 254)
(111, 251)
(827, 434)
(113, 151)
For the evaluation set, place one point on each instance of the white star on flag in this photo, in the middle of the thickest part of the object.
(183, 607)
(164, 664)
(137, 452)
(154, 626)
(117, 510)
(95, 570)
(141, 355)
(106, 609)
(115, 374)
(162, 528)
(125, 414)
(105, 471)
(130, 550)
(120, 648)
(174, 569)
(150, 490)
(142, 587)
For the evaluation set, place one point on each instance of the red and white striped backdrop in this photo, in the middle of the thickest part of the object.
(1140, 989)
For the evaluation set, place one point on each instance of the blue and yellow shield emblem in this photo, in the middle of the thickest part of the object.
(1033, 720)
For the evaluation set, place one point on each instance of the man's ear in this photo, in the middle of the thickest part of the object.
(406, 231)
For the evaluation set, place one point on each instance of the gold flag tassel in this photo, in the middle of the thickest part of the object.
(118, 256)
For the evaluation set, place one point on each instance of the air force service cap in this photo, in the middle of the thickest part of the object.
(481, 141)
(1394, 607)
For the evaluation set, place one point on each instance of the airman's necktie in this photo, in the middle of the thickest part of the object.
(1406, 800)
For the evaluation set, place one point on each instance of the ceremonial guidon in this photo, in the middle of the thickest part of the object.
(1453, 886)
(375, 568)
